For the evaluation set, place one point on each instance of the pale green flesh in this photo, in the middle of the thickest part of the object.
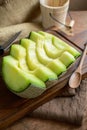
(64, 52)
(57, 66)
(39, 69)
(31, 57)
(41, 54)
(41, 72)
(66, 55)
(21, 79)
(19, 53)
(60, 44)
(36, 60)
(36, 37)
(50, 49)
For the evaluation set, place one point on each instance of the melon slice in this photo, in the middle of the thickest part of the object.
(41, 71)
(46, 43)
(67, 59)
(57, 66)
(60, 44)
(18, 81)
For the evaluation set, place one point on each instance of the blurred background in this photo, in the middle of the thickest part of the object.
(78, 4)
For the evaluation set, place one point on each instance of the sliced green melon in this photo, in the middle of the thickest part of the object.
(34, 61)
(67, 59)
(36, 37)
(51, 50)
(57, 66)
(46, 34)
(41, 71)
(54, 41)
(41, 54)
(45, 41)
(18, 80)
(60, 44)
(19, 53)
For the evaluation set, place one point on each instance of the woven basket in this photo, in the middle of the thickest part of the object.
(58, 8)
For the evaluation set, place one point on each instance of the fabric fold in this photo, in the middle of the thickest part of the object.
(66, 109)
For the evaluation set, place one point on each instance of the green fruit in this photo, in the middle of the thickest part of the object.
(54, 40)
(60, 44)
(51, 50)
(48, 35)
(66, 58)
(73, 51)
(41, 71)
(64, 46)
(36, 37)
(19, 53)
(57, 66)
(41, 54)
(46, 43)
(31, 57)
(34, 61)
(18, 80)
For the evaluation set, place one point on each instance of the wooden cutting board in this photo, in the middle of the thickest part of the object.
(13, 108)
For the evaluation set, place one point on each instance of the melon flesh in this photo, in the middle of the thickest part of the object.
(16, 79)
(43, 57)
(60, 44)
(67, 59)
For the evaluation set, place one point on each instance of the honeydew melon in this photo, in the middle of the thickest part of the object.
(36, 37)
(55, 40)
(45, 42)
(48, 35)
(19, 53)
(52, 37)
(57, 66)
(51, 50)
(18, 81)
(60, 44)
(31, 57)
(41, 54)
(41, 71)
(34, 61)
(67, 59)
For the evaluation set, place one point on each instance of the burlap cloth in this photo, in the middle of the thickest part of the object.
(16, 15)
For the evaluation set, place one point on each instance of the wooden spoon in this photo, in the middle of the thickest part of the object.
(76, 77)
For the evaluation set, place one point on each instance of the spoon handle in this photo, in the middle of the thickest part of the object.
(76, 77)
(83, 57)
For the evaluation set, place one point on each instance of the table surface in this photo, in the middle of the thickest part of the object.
(30, 123)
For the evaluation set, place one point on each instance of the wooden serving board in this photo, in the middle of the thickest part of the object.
(13, 108)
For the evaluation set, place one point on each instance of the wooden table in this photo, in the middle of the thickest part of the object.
(30, 123)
